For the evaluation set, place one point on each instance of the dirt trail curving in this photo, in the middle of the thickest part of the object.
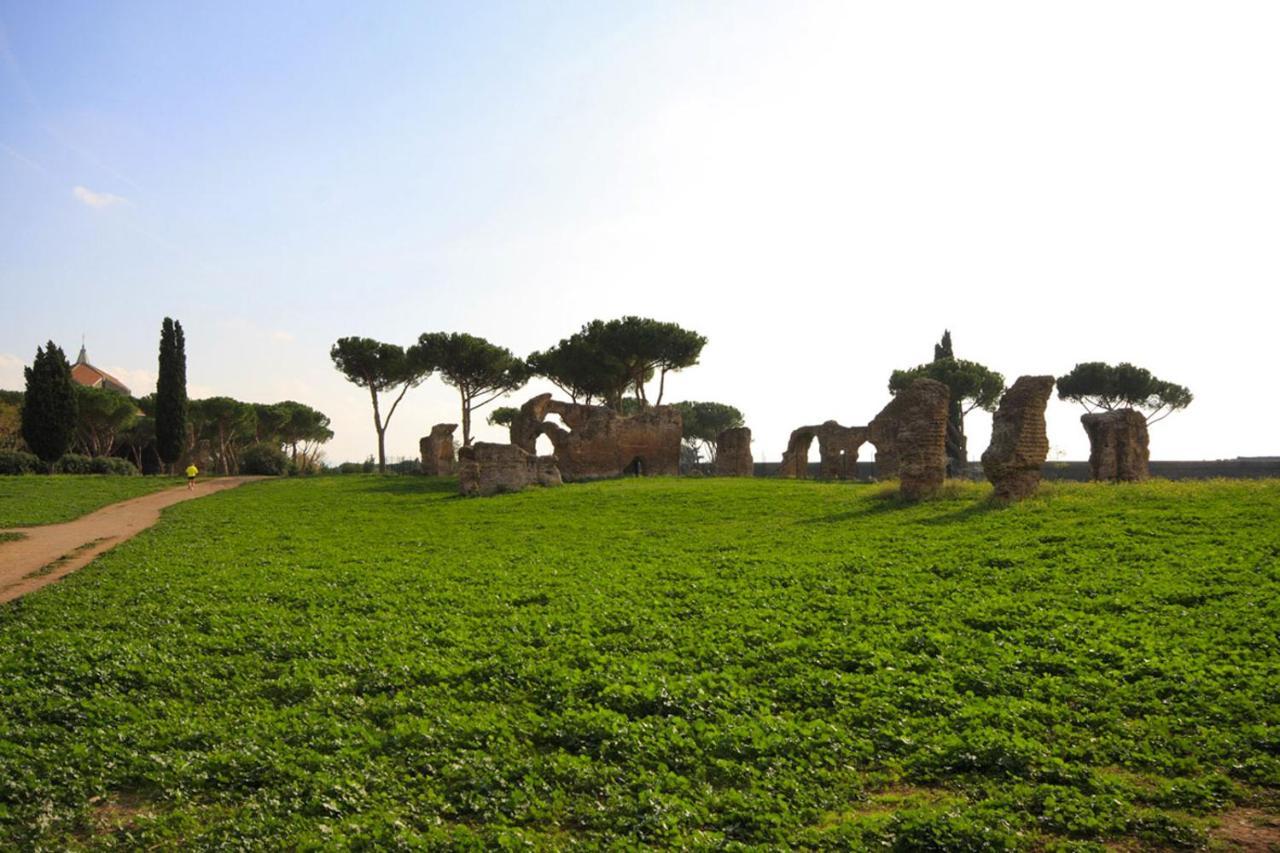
(49, 552)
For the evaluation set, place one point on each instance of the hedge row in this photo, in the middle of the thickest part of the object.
(18, 462)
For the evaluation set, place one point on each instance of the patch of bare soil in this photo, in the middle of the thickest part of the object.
(119, 810)
(1249, 829)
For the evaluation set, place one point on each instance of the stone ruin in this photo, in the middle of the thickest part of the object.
(733, 453)
(1118, 445)
(599, 442)
(920, 439)
(837, 451)
(486, 468)
(1019, 443)
(882, 432)
(437, 451)
(903, 435)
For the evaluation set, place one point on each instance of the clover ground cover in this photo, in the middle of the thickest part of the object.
(364, 660)
(31, 499)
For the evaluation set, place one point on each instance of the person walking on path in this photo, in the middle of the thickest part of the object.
(191, 476)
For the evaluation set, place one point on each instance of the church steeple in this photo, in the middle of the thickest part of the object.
(83, 358)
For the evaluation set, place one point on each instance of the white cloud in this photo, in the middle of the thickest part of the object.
(93, 199)
(26, 161)
(11, 377)
(281, 336)
(140, 382)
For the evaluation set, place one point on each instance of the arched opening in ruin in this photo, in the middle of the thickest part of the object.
(795, 460)
(838, 448)
(873, 455)
(544, 446)
(845, 455)
(636, 467)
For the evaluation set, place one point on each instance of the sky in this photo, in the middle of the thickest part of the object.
(819, 188)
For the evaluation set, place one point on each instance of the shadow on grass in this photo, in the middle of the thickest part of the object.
(889, 500)
(406, 484)
(884, 500)
(968, 513)
(879, 507)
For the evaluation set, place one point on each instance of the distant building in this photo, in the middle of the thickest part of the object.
(86, 374)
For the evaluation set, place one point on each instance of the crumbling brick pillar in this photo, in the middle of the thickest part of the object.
(437, 451)
(1019, 443)
(1118, 445)
(733, 453)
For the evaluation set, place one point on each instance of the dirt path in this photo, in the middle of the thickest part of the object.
(52, 551)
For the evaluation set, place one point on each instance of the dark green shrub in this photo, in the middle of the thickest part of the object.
(18, 462)
(265, 460)
(73, 463)
(113, 465)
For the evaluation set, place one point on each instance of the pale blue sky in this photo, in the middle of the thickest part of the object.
(819, 188)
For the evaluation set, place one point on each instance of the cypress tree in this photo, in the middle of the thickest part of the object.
(972, 385)
(171, 393)
(942, 349)
(50, 410)
(957, 443)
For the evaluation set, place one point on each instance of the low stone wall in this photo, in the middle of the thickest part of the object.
(486, 468)
(1078, 470)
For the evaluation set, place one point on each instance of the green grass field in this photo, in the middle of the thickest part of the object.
(364, 661)
(48, 499)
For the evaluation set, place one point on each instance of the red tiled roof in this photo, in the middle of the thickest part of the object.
(86, 374)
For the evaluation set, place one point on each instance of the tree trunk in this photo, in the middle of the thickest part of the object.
(957, 444)
(466, 419)
(377, 425)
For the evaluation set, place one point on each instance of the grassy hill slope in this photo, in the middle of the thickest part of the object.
(703, 662)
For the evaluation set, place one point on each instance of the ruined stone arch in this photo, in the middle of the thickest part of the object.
(600, 443)
(837, 451)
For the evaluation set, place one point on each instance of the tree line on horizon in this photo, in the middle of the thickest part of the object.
(613, 363)
(56, 418)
